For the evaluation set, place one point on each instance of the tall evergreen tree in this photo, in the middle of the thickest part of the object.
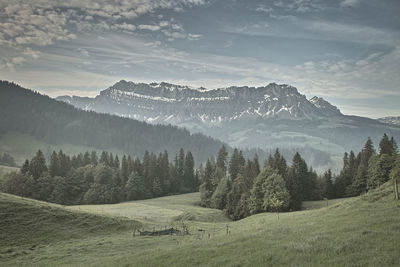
(222, 159)
(124, 170)
(37, 165)
(86, 159)
(93, 158)
(207, 188)
(54, 165)
(25, 167)
(188, 173)
(386, 146)
(236, 164)
(116, 162)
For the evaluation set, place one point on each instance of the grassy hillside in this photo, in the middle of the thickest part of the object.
(27, 225)
(362, 231)
(160, 211)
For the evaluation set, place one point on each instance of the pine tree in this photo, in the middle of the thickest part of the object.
(379, 170)
(116, 162)
(93, 158)
(124, 170)
(236, 204)
(37, 165)
(188, 173)
(294, 187)
(65, 163)
(275, 195)
(257, 192)
(236, 164)
(104, 158)
(219, 197)
(135, 188)
(86, 159)
(111, 160)
(25, 167)
(222, 159)
(207, 188)
(54, 165)
(386, 146)
(164, 172)
(328, 190)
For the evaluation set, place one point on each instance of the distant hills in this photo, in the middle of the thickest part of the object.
(53, 122)
(254, 117)
(390, 120)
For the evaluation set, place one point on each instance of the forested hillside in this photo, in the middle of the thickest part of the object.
(55, 122)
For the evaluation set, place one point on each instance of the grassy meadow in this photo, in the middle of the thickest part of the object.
(361, 231)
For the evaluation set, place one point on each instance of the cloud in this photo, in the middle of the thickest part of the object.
(149, 27)
(264, 8)
(349, 3)
(31, 53)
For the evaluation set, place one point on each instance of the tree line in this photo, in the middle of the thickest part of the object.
(368, 169)
(88, 179)
(241, 188)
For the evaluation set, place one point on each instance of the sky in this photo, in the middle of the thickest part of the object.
(346, 51)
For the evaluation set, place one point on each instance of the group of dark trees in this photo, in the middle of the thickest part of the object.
(241, 189)
(89, 179)
(7, 159)
(368, 169)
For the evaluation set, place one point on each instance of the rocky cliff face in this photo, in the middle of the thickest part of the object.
(169, 103)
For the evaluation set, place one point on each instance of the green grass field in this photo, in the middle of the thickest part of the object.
(362, 231)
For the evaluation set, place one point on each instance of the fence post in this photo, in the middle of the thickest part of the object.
(396, 190)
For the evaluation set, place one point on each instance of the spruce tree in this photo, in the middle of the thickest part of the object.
(134, 188)
(25, 167)
(124, 170)
(222, 159)
(86, 159)
(275, 195)
(219, 197)
(37, 165)
(207, 188)
(104, 158)
(116, 162)
(93, 158)
(188, 173)
(236, 164)
(386, 146)
(54, 165)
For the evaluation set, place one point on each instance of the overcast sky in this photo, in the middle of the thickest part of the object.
(347, 51)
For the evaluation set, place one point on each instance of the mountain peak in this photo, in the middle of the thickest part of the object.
(325, 107)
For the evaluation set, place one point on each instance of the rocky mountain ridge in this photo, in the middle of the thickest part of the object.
(169, 103)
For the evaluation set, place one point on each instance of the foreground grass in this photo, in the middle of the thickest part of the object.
(27, 225)
(363, 231)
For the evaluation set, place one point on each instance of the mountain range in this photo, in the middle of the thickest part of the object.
(263, 117)
(169, 103)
